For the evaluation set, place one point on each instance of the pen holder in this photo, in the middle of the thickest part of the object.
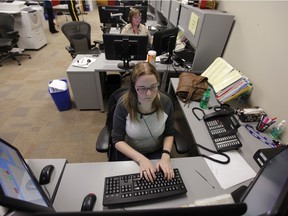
(262, 125)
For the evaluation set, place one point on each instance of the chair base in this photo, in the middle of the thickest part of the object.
(13, 56)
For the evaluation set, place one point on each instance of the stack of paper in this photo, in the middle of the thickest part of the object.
(227, 82)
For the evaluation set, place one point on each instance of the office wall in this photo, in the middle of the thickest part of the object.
(258, 47)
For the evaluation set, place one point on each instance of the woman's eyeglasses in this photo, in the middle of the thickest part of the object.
(143, 90)
(137, 17)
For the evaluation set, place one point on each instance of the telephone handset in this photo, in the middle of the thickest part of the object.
(222, 127)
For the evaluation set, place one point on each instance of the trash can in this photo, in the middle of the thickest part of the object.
(59, 92)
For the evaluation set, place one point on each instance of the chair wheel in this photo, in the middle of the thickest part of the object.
(19, 63)
(29, 57)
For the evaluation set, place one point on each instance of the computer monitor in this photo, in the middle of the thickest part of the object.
(19, 189)
(216, 210)
(164, 42)
(268, 192)
(125, 48)
(142, 9)
(133, 3)
(111, 14)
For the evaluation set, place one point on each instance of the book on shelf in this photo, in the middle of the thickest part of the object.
(227, 82)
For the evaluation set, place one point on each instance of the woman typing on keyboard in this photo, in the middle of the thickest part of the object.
(143, 123)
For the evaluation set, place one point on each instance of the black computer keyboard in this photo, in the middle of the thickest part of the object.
(130, 188)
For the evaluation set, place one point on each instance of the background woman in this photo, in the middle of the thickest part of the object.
(135, 26)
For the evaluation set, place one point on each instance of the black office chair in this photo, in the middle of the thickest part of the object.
(9, 39)
(104, 141)
(79, 35)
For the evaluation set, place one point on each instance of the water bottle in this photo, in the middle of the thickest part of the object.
(205, 99)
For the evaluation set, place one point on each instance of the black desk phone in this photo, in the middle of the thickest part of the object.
(222, 126)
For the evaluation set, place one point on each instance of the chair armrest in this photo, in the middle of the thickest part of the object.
(69, 49)
(180, 144)
(99, 44)
(102, 143)
(13, 33)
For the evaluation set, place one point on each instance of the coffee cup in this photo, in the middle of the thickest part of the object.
(151, 57)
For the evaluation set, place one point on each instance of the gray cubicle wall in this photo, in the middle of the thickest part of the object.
(211, 34)
(174, 12)
(165, 8)
(212, 30)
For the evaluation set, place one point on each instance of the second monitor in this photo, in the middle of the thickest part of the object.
(164, 42)
(125, 48)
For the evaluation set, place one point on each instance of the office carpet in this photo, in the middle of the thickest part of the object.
(29, 118)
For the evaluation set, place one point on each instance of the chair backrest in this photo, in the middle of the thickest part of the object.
(6, 24)
(79, 35)
(115, 96)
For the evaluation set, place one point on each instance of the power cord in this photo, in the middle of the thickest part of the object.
(215, 152)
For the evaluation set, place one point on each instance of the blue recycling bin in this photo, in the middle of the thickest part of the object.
(62, 99)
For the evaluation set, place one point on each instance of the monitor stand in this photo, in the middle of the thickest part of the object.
(167, 60)
(126, 65)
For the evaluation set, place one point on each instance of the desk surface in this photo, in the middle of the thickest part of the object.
(79, 179)
(102, 64)
(201, 134)
(37, 165)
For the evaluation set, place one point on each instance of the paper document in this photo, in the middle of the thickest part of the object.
(193, 23)
(217, 70)
(84, 62)
(227, 82)
(233, 76)
(228, 175)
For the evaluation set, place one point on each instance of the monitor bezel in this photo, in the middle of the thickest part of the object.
(158, 42)
(115, 38)
(17, 204)
(159, 35)
(282, 199)
(215, 210)
(102, 18)
(110, 41)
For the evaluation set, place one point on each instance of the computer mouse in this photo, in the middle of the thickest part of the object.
(89, 202)
(46, 174)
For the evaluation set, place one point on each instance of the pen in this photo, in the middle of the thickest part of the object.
(204, 178)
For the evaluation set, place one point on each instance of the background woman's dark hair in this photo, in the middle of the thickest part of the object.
(130, 99)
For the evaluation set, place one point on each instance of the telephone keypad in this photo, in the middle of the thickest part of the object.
(216, 127)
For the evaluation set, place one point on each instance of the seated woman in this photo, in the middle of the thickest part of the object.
(143, 123)
(135, 26)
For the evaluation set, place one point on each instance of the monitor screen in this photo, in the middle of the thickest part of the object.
(268, 192)
(125, 48)
(19, 188)
(105, 13)
(165, 41)
(142, 9)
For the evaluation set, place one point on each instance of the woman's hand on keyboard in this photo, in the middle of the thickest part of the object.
(147, 170)
(165, 165)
